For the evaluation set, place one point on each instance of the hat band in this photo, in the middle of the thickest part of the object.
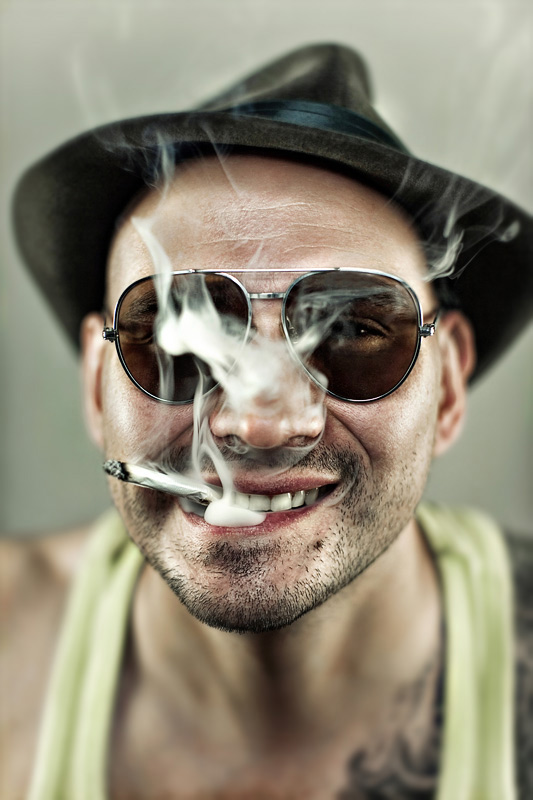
(319, 115)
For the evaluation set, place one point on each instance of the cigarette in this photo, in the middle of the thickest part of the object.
(172, 484)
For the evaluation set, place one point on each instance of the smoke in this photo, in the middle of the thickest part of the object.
(264, 399)
(449, 236)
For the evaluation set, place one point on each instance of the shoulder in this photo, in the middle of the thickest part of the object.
(35, 573)
(51, 557)
(521, 555)
(35, 576)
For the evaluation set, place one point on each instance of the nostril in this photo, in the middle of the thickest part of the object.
(232, 442)
(303, 441)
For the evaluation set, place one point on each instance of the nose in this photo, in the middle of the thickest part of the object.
(268, 401)
(271, 420)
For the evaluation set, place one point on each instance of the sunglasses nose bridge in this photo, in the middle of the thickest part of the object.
(266, 316)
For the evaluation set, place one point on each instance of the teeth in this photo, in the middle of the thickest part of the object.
(279, 502)
(259, 502)
(241, 500)
(298, 498)
(311, 496)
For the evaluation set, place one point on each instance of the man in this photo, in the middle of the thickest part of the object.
(309, 637)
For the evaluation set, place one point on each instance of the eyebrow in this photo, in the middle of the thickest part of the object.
(140, 307)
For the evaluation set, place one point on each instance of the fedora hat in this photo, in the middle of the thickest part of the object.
(314, 103)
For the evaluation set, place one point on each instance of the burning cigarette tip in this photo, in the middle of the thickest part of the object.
(117, 469)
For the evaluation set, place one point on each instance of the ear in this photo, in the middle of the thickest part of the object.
(92, 358)
(458, 358)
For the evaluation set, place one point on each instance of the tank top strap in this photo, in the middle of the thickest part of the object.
(71, 762)
(477, 761)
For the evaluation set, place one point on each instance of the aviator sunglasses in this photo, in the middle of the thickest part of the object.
(356, 333)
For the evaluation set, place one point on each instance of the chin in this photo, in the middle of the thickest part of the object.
(248, 594)
(248, 611)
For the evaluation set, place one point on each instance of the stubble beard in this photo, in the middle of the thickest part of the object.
(235, 585)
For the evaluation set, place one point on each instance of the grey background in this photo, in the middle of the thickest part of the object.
(452, 77)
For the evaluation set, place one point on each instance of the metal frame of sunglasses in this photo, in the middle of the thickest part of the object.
(112, 334)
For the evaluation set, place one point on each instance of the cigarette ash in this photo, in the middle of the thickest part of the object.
(117, 469)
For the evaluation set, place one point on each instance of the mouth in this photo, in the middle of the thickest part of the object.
(266, 503)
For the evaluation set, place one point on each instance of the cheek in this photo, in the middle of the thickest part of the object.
(135, 426)
(399, 428)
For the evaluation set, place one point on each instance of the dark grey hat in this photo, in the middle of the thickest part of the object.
(314, 104)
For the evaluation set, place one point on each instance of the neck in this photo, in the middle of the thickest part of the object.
(345, 660)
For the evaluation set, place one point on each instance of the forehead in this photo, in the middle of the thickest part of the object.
(253, 213)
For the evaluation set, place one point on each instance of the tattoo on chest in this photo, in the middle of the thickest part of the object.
(403, 763)
(404, 766)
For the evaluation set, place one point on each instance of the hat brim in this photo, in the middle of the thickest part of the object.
(67, 205)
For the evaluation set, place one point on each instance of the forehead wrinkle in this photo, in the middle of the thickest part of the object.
(327, 248)
(282, 245)
(254, 216)
(246, 225)
(243, 239)
(259, 207)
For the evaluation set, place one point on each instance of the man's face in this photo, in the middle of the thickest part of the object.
(256, 213)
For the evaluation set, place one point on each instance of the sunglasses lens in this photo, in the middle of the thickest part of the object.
(174, 378)
(355, 332)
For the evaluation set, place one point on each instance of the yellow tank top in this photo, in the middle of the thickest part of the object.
(477, 759)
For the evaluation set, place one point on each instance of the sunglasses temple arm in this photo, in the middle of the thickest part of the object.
(153, 479)
(430, 328)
